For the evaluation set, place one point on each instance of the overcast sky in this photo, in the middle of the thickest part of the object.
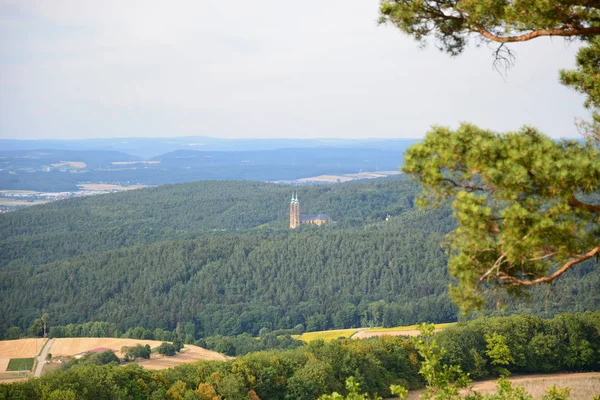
(263, 68)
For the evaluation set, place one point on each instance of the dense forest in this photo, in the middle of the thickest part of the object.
(218, 256)
(568, 342)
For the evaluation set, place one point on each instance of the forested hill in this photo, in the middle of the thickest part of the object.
(61, 229)
(219, 255)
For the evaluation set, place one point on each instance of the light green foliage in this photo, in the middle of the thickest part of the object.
(508, 391)
(584, 78)
(554, 393)
(353, 389)
(516, 199)
(497, 349)
(444, 382)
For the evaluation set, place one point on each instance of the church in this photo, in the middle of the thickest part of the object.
(296, 219)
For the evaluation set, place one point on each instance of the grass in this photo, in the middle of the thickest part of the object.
(326, 335)
(408, 328)
(20, 364)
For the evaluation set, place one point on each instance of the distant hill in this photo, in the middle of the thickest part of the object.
(63, 170)
(151, 147)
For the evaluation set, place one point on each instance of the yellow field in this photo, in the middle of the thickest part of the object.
(3, 364)
(349, 177)
(326, 335)
(408, 328)
(134, 162)
(189, 353)
(102, 186)
(74, 164)
(21, 348)
(363, 333)
(67, 347)
(11, 202)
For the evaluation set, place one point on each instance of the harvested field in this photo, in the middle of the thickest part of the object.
(18, 202)
(4, 364)
(134, 162)
(327, 179)
(67, 347)
(326, 335)
(74, 164)
(348, 177)
(396, 331)
(190, 353)
(584, 386)
(21, 348)
(102, 186)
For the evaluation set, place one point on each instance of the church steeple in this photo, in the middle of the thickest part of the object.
(294, 211)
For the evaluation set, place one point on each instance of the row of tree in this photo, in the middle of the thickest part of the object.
(567, 342)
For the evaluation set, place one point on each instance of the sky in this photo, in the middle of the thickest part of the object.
(73, 69)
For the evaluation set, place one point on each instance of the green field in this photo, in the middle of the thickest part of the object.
(20, 364)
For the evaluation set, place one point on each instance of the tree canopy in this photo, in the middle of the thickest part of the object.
(452, 23)
(517, 198)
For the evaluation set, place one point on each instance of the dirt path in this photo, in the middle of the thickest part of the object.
(41, 360)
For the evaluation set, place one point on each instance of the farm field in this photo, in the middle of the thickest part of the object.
(584, 386)
(21, 348)
(410, 330)
(17, 349)
(67, 347)
(103, 186)
(325, 335)
(20, 364)
(189, 353)
(364, 333)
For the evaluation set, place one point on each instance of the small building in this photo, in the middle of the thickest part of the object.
(297, 219)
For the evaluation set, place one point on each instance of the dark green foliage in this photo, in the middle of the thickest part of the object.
(130, 353)
(106, 357)
(245, 343)
(568, 342)
(167, 349)
(118, 259)
(320, 368)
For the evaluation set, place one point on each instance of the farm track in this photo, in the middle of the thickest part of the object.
(41, 359)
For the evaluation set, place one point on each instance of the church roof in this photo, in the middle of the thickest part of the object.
(312, 217)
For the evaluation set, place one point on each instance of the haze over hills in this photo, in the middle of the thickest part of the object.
(54, 166)
(145, 148)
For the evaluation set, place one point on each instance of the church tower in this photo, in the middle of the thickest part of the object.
(294, 212)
